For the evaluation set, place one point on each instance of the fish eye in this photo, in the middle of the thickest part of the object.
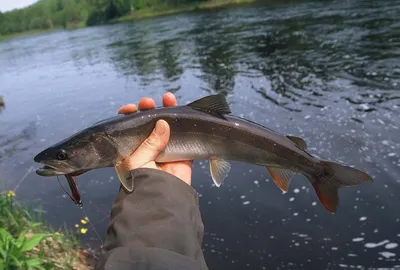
(62, 155)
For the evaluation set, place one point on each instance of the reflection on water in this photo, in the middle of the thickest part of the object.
(216, 56)
(11, 144)
(168, 55)
(328, 72)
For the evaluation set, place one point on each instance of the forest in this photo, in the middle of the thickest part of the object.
(52, 14)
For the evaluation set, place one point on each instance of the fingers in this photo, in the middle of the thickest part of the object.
(169, 100)
(128, 108)
(146, 104)
(150, 148)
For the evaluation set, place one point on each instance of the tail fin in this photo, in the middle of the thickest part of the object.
(336, 176)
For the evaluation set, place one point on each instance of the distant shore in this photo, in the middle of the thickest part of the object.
(26, 33)
(140, 14)
(148, 13)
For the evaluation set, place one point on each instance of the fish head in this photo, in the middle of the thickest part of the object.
(73, 155)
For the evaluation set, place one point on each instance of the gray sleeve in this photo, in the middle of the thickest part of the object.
(157, 226)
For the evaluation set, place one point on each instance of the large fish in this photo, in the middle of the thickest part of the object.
(200, 130)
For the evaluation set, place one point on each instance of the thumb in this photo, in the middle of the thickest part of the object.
(150, 148)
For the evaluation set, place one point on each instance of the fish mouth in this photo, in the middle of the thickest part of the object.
(52, 171)
(52, 167)
(49, 171)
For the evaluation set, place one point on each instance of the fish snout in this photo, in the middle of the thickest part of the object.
(40, 157)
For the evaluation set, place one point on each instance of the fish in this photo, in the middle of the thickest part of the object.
(202, 130)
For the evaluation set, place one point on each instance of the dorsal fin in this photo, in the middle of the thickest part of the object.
(298, 141)
(211, 104)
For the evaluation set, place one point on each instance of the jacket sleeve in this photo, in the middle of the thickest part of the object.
(157, 226)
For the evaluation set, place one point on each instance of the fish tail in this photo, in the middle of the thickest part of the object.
(334, 176)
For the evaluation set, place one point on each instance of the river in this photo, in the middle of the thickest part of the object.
(327, 71)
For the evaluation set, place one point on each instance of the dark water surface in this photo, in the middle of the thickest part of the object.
(325, 71)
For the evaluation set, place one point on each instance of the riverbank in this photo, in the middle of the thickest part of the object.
(27, 243)
(140, 14)
(26, 33)
(156, 12)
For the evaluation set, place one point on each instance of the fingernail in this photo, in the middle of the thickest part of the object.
(160, 128)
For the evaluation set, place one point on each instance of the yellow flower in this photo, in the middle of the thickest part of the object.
(57, 233)
(10, 193)
(83, 221)
(87, 218)
(76, 225)
(83, 230)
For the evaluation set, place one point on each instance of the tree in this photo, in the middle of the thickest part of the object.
(46, 14)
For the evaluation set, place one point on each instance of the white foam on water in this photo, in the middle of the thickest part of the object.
(374, 245)
(295, 214)
(352, 255)
(246, 202)
(385, 142)
(387, 254)
(242, 197)
(314, 203)
(391, 245)
(296, 190)
(291, 199)
(358, 239)
(363, 218)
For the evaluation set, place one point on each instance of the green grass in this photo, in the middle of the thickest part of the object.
(76, 25)
(161, 11)
(26, 243)
(21, 34)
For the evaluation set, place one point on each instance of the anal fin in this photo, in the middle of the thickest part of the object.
(219, 170)
(281, 177)
(125, 177)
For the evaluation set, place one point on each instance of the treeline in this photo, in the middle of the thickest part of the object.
(47, 14)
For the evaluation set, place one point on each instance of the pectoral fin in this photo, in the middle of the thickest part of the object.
(281, 177)
(125, 177)
(219, 170)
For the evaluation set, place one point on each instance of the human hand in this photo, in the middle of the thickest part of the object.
(148, 151)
